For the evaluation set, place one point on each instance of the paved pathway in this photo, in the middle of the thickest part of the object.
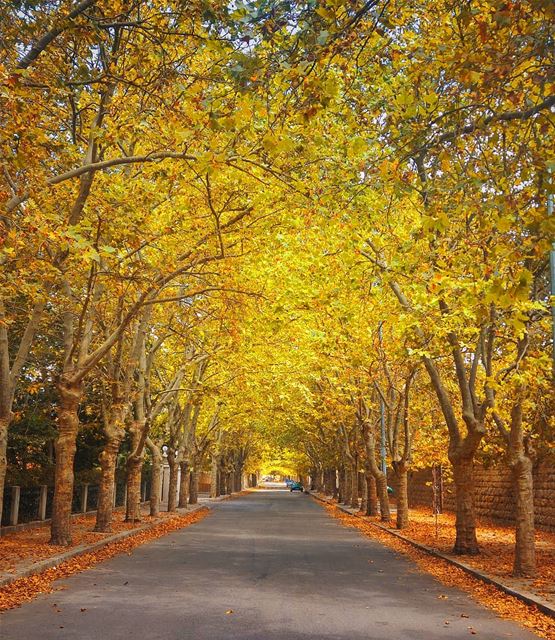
(279, 563)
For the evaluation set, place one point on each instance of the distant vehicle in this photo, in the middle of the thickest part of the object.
(267, 478)
(289, 482)
(296, 486)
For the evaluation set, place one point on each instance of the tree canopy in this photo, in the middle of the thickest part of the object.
(282, 236)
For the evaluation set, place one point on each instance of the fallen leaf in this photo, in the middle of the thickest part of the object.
(504, 605)
(25, 589)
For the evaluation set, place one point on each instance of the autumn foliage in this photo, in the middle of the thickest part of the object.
(307, 235)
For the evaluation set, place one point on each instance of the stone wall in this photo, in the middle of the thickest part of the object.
(494, 495)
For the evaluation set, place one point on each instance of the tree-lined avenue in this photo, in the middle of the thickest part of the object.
(269, 565)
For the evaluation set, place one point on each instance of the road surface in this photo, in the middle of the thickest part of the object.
(271, 565)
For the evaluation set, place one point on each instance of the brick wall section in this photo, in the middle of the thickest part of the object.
(494, 496)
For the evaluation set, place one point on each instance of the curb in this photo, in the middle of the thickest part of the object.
(525, 597)
(48, 563)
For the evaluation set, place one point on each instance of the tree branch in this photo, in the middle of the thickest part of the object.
(40, 45)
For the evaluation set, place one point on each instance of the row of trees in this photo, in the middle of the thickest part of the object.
(128, 190)
(265, 226)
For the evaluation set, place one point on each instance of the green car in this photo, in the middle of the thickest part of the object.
(296, 486)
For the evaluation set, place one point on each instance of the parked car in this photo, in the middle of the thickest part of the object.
(296, 486)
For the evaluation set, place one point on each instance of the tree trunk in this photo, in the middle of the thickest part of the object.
(347, 484)
(219, 484)
(107, 459)
(133, 504)
(193, 487)
(319, 481)
(4, 425)
(340, 486)
(65, 446)
(327, 483)
(134, 469)
(115, 432)
(383, 498)
(172, 484)
(155, 484)
(335, 484)
(402, 472)
(371, 495)
(523, 484)
(184, 484)
(354, 485)
(466, 542)
(379, 476)
(214, 493)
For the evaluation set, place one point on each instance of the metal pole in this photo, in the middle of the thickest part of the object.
(382, 418)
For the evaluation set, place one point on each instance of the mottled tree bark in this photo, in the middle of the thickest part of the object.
(340, 486)
(379, 476)
(4, 425)
(184, 484)
(347, 498)
(134, 468)
(239, 479)
(115, 432)
(466, 541)
(219, 484)
(156, 480)
(65, 446)
(214, 476)
(329, 482)
(371, 495)
(401, 471)
(172, 484)
(354, 486)
(523, 484)
(520, 462)
(193, 487)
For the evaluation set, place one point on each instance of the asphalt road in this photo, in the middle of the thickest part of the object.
(271, 565)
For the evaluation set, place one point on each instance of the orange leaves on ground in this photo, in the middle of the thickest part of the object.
(28, 546)
(28, 588)
(496, 545)
(504, 605)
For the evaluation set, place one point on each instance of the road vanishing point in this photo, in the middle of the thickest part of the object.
(268, 565)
